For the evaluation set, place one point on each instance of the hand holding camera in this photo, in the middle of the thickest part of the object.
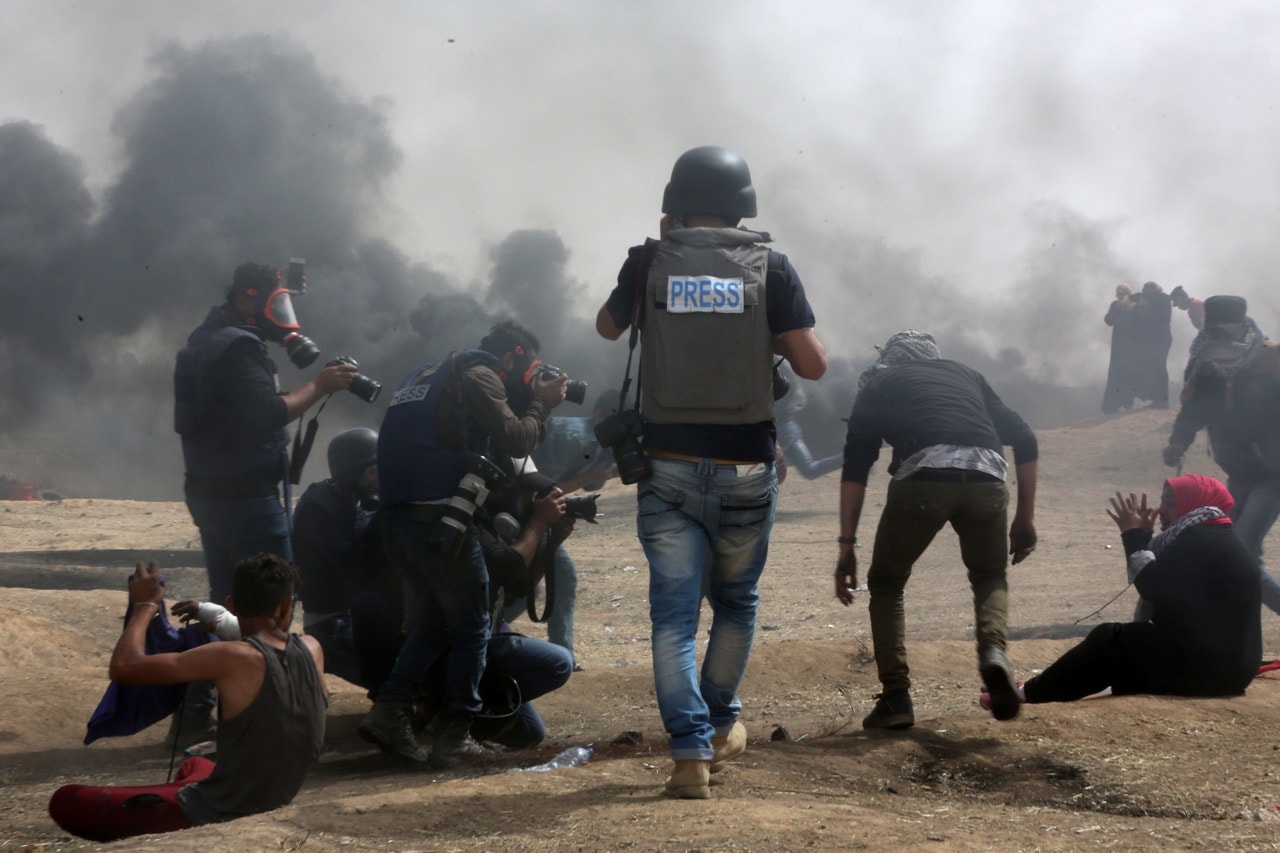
(351, 379)
(575, 390)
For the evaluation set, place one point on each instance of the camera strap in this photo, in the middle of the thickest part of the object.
(543, 568)
(647, 252)
(302, 444)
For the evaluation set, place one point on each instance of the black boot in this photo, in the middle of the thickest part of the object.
(389, 727)
(893, 710)
(997, 677)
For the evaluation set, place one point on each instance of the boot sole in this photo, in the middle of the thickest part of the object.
(892, 723)
(1004, 696)
(690, 792)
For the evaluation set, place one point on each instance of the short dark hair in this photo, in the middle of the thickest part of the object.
(261, 582)
(508, 335)
(258, 279)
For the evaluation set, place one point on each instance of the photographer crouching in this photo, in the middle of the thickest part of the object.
(442, 428)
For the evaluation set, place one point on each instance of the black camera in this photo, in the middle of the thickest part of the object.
(781, 384)
(583, 507)
(621, 433)
(450, 531)
(575, 390)
(362, 386)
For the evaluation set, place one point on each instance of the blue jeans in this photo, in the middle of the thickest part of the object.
(452, 597)
(538, 667)
(233, 530)
(560, 622)
(695, 520)
(1257, 507)
(336, 641)
(798, 455)
(230, 531)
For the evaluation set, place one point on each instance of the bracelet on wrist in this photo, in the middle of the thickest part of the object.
(847, 540)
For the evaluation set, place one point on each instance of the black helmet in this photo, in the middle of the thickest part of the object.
(710, 181)
(350, 453)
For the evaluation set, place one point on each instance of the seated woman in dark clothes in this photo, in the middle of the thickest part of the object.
(1200, 586)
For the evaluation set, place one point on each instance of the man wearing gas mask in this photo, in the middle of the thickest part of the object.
(232, 417)
(443, 428)
(714, 306)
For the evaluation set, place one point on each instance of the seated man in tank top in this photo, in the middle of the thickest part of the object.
(271, 700)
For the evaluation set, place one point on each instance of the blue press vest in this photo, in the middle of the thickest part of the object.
(214, 444)
(414, 463)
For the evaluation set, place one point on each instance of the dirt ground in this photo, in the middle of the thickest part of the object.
(1116, 773)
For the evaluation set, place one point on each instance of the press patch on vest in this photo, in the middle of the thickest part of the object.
(412, 394)
(704, 294)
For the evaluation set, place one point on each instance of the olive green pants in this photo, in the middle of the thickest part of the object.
(914, 512)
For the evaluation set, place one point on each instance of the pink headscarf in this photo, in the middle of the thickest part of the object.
(1192, 491)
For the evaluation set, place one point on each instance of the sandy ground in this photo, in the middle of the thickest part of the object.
(1116, 773)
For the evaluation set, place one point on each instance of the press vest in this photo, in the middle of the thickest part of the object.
(707, 352)
(414, 463)
(214, 444)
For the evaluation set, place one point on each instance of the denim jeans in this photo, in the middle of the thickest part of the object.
(538, 667)
(452, 597)
(230, 531)
(233, 530)
(798, 455)
(695, 520)
(336, 641)
(1255, 512)
(560, 622)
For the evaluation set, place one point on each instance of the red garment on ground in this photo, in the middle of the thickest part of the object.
(104, 813)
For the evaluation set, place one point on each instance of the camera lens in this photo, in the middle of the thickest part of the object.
(575, 391)
(365, 388)
(302, 350)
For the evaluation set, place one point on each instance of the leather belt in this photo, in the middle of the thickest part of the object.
(685, 457)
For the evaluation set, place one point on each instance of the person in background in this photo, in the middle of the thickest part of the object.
(1184, 301)
(1232, 390)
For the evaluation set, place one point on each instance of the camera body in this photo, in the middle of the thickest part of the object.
(575, 390)
(621, 433)
(450, 530)
(362, 386)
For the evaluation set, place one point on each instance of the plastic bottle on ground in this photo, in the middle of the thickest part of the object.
(571, 757)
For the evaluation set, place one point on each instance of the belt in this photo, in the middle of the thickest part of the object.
(685, 457)
(421, 513)
(953, 475)
(228, 489)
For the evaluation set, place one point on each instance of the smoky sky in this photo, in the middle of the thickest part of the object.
(247, 149)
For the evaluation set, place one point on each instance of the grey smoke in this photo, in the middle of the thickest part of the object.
(244, 149)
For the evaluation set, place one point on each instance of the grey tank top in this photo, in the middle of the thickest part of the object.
(265, 751)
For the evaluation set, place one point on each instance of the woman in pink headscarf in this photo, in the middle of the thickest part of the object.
(1202, 634)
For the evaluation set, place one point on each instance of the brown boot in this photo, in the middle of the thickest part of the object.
(729, 746)
(691, 780)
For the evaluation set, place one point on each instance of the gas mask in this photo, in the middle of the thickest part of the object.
(276, 320)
